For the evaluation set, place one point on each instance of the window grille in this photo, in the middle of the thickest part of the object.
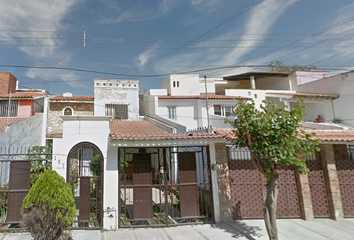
(117, 111)
(171, 112)
(4, 108)
(68, 111)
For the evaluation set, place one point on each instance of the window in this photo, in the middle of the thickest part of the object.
(174, 83)
(171, 112)
(117, 111)
(4, 108)
(222, 110)
(68, 111)
(177, 83)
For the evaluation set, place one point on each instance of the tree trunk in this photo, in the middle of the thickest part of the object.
(270, 207)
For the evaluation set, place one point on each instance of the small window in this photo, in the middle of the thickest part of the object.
(123, 85)
(177, 83)
(129, 85)
(117, 85)
(171, 112)
(104, 84)
(110, 84)
(97, 84)
(117, 111)
(134, 85)
(217, 110)
(68, 111)
(228, 111)
(174, 83)
(4, 108)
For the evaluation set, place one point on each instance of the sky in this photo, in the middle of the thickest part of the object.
(62, 45)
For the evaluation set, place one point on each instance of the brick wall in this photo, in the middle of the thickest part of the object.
(7, 82)
(55, 123)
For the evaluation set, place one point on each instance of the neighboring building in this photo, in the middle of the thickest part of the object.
(182, 98)
(339, 110)
(66, 105)
(21, 105)
(117, 98)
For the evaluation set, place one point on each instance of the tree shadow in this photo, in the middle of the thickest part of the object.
(239, 229)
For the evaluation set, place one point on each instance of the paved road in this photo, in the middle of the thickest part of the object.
(297, 229)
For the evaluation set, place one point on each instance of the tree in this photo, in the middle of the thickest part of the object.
(41, 159)
(273, 137)
(279, 66)
(49, 208)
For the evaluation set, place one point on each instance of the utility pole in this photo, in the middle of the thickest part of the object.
(206, 97)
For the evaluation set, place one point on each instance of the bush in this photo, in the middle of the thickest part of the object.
(3, 203)
(49, 208)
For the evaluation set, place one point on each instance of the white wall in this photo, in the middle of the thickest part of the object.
(274, 83)
(95, 130)
(342, 84)
(147, 104)
(113, 91)
(257, 95)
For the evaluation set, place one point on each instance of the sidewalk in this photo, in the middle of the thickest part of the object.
(289, 229)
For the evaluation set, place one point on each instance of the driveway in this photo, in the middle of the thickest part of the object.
(289, 229)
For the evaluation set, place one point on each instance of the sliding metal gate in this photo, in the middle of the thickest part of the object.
(164, 186)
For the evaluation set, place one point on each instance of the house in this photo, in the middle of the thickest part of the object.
(339, 109)
(22, 114)
(184, 98)
(134, 171)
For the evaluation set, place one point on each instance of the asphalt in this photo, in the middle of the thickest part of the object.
(289, 229)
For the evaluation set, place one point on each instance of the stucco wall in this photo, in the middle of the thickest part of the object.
(26, 133)
(342, 84)
(112, 91)
(55, 123)
(147, 104)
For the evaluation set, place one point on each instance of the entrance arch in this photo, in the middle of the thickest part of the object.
(85, 178)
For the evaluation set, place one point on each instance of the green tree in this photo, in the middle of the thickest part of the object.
(273, 137)
(41, 159)
(49, 208)
(279, 66)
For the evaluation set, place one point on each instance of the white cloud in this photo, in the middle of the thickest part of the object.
(36, 19)
(167, 5)
(259, 21)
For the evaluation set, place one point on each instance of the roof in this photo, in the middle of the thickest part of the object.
(145, 131)
(307, 95)
(72, 99)
(22, 95)
(256, 75)
(3, 122)
(54, 135)
(211, 96)
(323, 135)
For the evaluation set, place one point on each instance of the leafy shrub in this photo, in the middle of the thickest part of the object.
(3, 202)
(41, 159)
(95, 165)
(49, 208)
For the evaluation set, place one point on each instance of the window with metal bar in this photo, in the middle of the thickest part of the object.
(117, 111)
(8, 111)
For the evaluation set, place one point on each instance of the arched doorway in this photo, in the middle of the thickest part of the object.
(85, 177)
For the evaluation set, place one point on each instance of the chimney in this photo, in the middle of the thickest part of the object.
(7, 82)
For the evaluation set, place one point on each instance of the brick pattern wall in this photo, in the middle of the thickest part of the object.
(7, 82)
(55, 123)
(223, 182)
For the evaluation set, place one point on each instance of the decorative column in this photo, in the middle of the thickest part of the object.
(332, 183)
(223, 182)
(305, 196)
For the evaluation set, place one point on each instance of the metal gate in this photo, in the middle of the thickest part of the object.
(164, 186)
(17, 173)
(319, 195)
(345, 172)
(85, 177)
(248, 188)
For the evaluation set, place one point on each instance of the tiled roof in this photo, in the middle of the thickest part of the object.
(72, 99)
(307, 95)
(3, 122)
(22, 95)
(145, 131)
(212, 96)
(54, 135)
(323, 135)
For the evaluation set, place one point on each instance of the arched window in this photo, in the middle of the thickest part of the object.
(68, 111)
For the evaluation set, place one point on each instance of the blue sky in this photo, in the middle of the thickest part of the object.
(146, 40)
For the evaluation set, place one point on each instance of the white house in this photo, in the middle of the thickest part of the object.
(124, 171)
(183, 98)
(339, 110)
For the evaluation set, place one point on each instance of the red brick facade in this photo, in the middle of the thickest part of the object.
(7, 82)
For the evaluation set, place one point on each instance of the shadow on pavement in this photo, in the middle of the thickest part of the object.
(239, 229)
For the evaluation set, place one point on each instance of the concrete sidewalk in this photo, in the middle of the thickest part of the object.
(293, 229)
